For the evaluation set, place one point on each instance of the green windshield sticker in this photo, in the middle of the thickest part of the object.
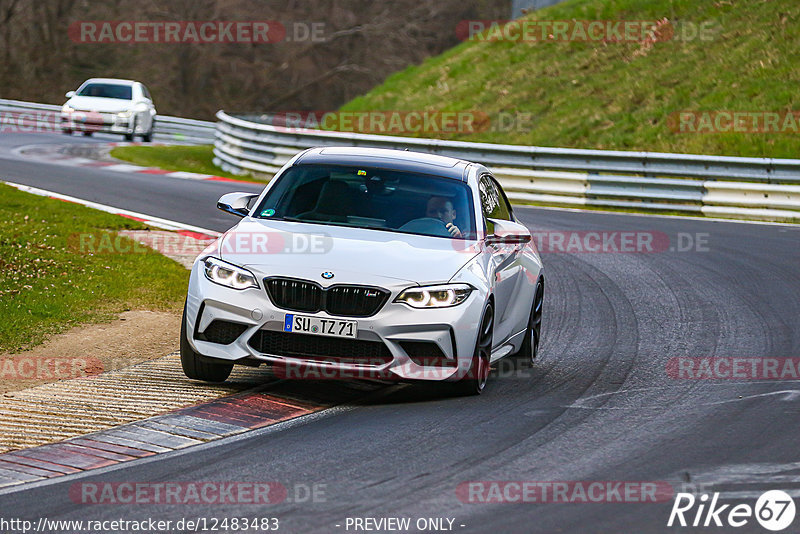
(268, 213)
(362, 173)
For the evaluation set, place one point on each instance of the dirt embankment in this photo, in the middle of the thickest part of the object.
(134, 337)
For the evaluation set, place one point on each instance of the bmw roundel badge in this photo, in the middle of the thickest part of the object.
(327, 275)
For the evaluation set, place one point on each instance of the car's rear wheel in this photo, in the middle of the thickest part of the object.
(87, 134)
(533, 334)
(66, 132)
(195, 367)
(475, 381)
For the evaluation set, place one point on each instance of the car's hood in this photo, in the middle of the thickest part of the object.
(353, 255)
(96, 103)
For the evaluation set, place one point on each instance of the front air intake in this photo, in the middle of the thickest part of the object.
(221, 332)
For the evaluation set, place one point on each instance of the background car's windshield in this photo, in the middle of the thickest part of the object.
(106, 90)
(372, 198)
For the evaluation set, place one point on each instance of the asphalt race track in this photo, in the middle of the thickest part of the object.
(599, 405)
(180, 200)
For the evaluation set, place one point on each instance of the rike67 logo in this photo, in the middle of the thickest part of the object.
(774, 510)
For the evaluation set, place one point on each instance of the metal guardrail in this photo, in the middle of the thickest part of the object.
(33, 117)
(752, 188)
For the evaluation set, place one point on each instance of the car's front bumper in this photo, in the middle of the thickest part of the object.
(453, 330)
(81, 121)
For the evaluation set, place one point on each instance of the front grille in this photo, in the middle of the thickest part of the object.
(321, 348)
(222, 332)
(342, 300)
(295, 295)
(426, 353)
(354, 301)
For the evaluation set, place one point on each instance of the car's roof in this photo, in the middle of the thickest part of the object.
(402, 160)
(109, 80)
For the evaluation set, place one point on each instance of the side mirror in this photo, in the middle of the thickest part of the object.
(236, 203)
(507, 233)
(70, 94)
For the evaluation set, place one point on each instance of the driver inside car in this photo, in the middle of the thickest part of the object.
(442, 208)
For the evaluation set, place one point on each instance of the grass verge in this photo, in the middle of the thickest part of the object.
(48, 284)
(620, 95)
(194, 158)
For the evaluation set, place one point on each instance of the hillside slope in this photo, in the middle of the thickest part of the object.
(623, 95)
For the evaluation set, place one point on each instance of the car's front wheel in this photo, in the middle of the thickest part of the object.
(195, 367)
(148, 137)
(475, 381)
(129, 137)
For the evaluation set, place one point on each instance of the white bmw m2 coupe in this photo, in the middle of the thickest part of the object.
(367, 263)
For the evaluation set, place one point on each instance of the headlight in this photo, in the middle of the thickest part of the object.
(443, 296)
(66, 109)
(228, 275)
(124, 114)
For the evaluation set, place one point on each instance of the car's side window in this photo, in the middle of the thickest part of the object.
(493, 202)
(145, 92)
(507, 213)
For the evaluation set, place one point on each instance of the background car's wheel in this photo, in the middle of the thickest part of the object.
(196, 368)
(148, 137)
(87, 134)
(475, 381)
(129, 137)
(530, 345)
(66, 132)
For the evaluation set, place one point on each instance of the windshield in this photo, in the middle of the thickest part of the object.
(380, 199)
(106, 90)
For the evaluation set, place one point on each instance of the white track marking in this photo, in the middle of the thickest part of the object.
(158, 222)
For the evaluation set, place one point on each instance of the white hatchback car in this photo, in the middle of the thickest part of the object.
(110, 105)
(358, 262)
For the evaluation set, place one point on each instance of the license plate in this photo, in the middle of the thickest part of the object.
(303, 324)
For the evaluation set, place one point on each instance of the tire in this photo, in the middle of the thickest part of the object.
(148, 137)
(129, 137)
(66, 132)
(87, 134)
(475, 381)
(195, 367)
(533, 334)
